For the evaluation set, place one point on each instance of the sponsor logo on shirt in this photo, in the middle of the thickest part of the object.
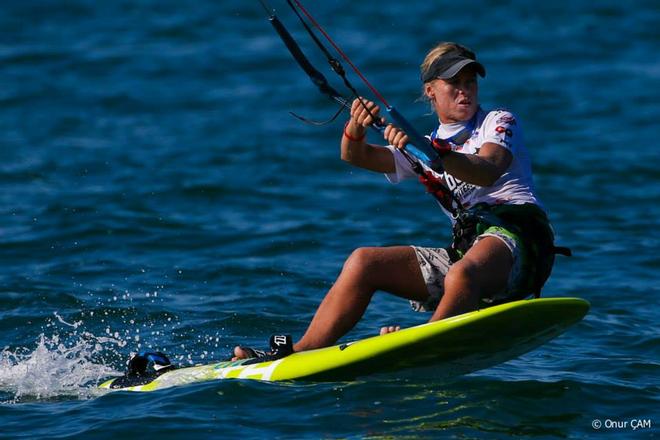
(504, 130)
(461, 190)
(506, 119)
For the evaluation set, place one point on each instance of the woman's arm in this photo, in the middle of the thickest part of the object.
(481, 169)
(354, 148)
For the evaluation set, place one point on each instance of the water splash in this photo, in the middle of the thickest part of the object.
(57, 368)
(62, 321)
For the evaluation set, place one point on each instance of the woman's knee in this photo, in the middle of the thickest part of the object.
(462, 275)
(361, 262)
(392, 269)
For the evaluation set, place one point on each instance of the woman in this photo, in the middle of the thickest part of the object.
(503, 244)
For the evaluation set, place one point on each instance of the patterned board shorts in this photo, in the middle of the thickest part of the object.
(435, 262)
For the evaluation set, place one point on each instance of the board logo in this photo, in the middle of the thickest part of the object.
(343, 347)
(279, 340)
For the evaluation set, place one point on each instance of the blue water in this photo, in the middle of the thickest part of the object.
(156, 194)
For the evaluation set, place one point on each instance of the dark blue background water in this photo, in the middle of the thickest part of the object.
(155, 194)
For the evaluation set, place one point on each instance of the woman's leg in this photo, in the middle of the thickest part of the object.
(391, 269)
(483, 270)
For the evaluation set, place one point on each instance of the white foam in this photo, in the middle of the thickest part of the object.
(56, 369)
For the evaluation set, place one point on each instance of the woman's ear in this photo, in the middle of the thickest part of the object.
(428, 91)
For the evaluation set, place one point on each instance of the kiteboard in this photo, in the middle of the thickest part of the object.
(450, 347)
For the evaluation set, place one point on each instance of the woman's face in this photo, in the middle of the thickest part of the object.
(455, 99)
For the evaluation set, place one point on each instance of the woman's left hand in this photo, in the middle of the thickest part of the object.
(395, 136)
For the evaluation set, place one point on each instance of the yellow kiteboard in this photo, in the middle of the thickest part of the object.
(453, 346)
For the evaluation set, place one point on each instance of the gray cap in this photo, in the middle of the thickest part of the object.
(450, 63)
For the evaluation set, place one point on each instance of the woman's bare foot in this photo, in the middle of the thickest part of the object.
(246, 353)
(280, 346)
(239, 353)
(390, 329)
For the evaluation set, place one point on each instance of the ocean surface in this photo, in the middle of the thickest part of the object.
(156, 194)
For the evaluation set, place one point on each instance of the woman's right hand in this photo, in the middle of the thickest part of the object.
(363, 114)
(362, 117)
(355, 150)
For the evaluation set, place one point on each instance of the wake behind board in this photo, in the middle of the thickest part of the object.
(453, 346)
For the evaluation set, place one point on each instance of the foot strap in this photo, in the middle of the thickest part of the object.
(280, 346)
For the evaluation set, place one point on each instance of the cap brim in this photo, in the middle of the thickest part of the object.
(453, 70)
